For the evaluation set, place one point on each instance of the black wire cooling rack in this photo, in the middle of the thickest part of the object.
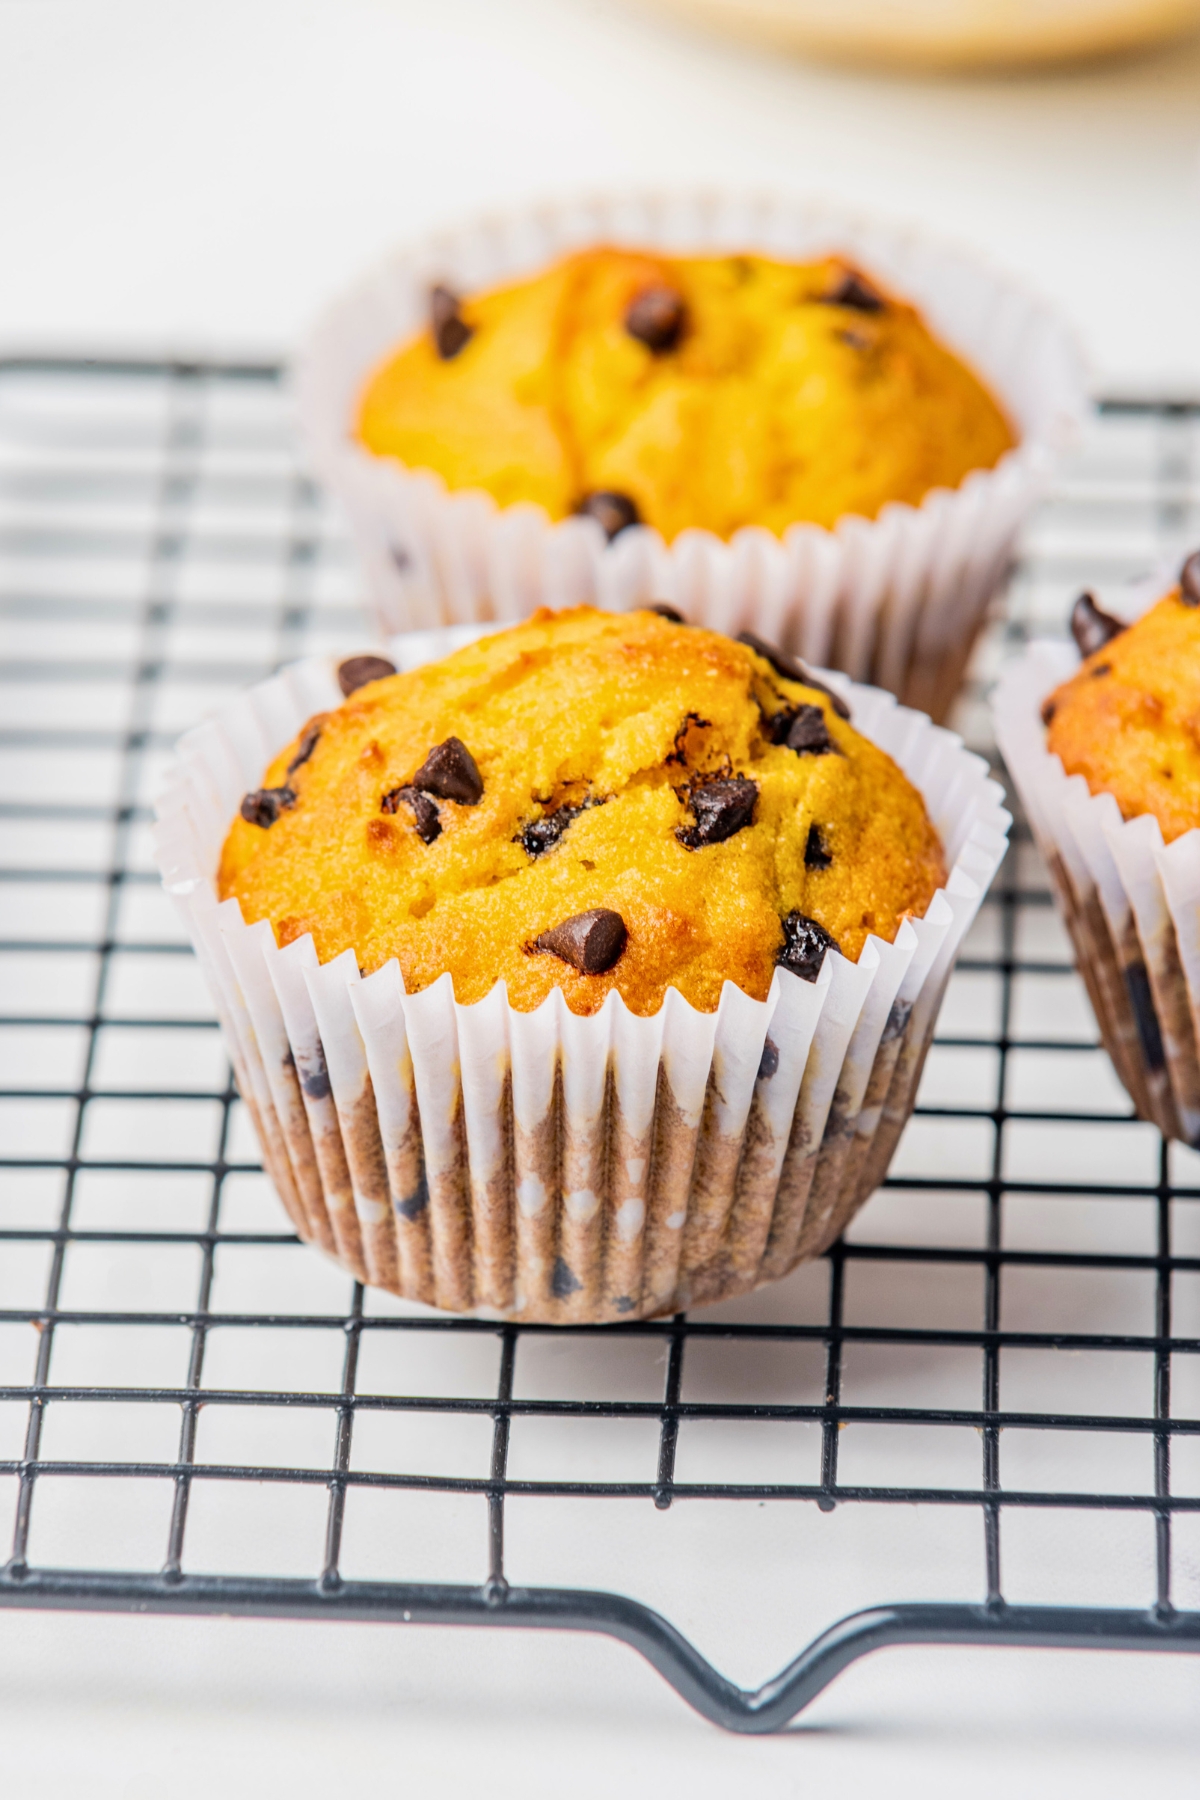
(1008, 1340)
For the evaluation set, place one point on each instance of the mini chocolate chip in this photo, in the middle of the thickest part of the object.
(662, 609)
(1049, 708)
(563, 1281)
(1101, 669)
(817, 854)
(590, 941)
(613, 512)
(804, 946)
(808, 734)
(1137, 982)
(356, 671)
(308, 742)
(721, 808)
(424, 811)
(1090, 627)
(450, 772)
(541, 835)
(1189, 580)
(792, 669)
(656, 317)
(768, 1062)
(264, 806)
(854, 290)
(314, 1075)
(450, 330)
(415, 1203)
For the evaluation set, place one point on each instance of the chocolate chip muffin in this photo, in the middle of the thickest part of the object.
(590, 801)
(708, 391)
(1129, 720)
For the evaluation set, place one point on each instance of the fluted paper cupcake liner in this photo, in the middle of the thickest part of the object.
(541, 1165)
(1131, 903)
(896, 600)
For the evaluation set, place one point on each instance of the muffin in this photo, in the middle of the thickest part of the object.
(720, 392)
(1108, 764)
(711, 804)
(771, 417)
(1127, 720)
(586, 973)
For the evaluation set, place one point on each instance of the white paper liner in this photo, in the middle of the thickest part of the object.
(544, 1166)
(1131, 903)
(896, 600)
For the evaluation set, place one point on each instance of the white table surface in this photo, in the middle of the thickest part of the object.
(200, 177)
(206, 174)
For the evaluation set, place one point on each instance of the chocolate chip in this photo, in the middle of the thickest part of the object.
(264, 806)
(1049, 708)
(450, 772)
(854, 290)
(803, 731)
(541, 835)
(722, 808)
(424, 811)
(356, 671)
(414, 1204)
(662, 609)
(768, 1062)
(563, 1281)
(613, 512)
(792, 669)
(308, 742)
(1100, 669)
(1090, 627)
(804, 946)
(1137, 982)
(450, 330)
(817, 854)
(590, 941)
(656, 317)
(314, 1074)
(1189, 580)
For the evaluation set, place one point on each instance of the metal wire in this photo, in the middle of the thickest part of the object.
(159, 547)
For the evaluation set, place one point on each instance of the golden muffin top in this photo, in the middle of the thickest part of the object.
(588, 801)
(1129, 720)
(714, 391)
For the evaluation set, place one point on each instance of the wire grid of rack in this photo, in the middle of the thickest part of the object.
(1007, 1343)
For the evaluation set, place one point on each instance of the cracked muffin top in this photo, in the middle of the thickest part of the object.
(1129, 720)
(588, 801)
(717, 391)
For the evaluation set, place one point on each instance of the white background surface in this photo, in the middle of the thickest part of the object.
(201, 177)
(206, 174)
